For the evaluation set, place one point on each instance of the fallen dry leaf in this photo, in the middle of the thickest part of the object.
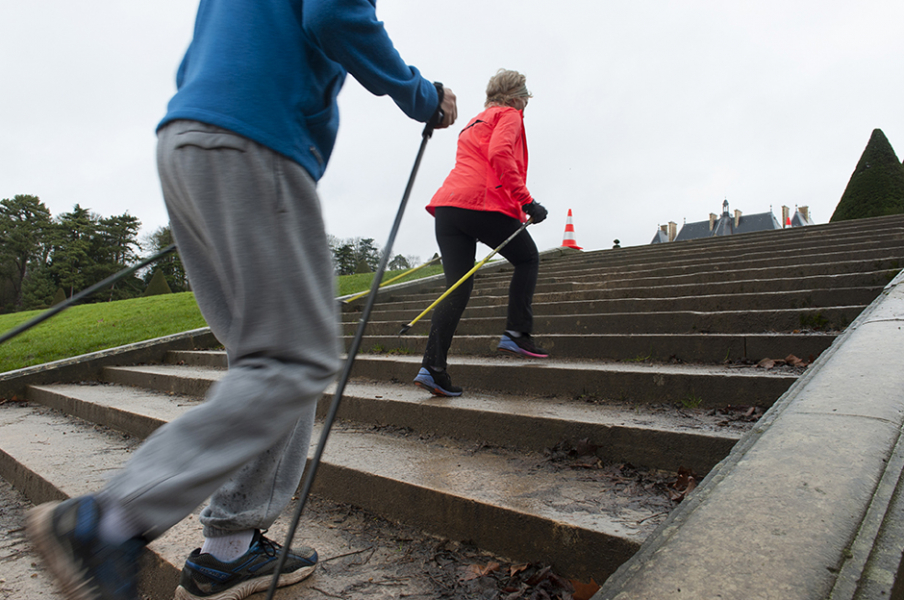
(684, 484)
(766, 363)
(476, 571)
(584, 591)
(691, 486)
(794, 361)
(539, 576)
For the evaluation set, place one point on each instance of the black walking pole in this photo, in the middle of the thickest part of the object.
(343, 378)
(83, 294)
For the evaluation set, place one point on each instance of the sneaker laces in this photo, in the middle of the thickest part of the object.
(270, 547)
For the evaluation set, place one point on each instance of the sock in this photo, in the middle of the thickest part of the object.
(513, 334)
(227, 548)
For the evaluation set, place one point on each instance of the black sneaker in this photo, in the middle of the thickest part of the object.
(437, 383)
(203, 576)
(522, 345)
(65, 535)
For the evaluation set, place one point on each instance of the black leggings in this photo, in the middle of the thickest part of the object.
(457, 232)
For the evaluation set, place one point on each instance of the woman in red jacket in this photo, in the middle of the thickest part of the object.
(485, 199)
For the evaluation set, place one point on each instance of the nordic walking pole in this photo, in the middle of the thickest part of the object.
(388, 281)
(83, 294)
(346, 371)
(405, 328)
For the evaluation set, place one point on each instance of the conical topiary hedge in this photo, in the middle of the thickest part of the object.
(59, 296)
(877, 186)
(157, 285)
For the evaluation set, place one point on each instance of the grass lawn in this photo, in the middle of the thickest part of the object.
(92, 327)
(349, 284)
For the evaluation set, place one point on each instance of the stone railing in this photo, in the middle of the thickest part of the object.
(810, 503)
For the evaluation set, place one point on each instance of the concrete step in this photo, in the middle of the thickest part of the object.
(335, 530)
(48, 456)
(663, 437)
(815, 261)
(729, 253)
(835, 236)
(359, 553)
(704, 386)
(756, 253)
(562, 303)
(656, 289)
(641, 347)
(703, 275)
(780, 245)
(513, 503)
(829, 236)
(834, 318)
(22, 576)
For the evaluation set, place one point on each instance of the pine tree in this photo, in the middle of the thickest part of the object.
(399, 263)
(876, 187)
(24, 224)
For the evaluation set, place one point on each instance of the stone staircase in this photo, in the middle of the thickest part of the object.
(571, 461)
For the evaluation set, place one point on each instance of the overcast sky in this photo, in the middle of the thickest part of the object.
(643, 112)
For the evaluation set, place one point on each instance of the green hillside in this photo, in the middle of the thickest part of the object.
(92, 327)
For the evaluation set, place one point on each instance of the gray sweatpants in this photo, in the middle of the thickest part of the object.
(248, 226)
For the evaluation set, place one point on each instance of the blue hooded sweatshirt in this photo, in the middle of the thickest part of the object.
(270, 70)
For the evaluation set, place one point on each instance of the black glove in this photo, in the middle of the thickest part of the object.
(535, 210)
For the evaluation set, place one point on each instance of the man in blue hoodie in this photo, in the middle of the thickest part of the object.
(244, 141)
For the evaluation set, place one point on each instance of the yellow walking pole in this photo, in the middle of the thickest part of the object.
(405, 328)
(387, 282)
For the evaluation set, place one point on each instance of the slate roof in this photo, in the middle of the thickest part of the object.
(724, 225)
(693, 231)
(798, 220)
(758, 222)
(660, 237)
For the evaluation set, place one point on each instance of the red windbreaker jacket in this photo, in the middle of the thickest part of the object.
(490, 170)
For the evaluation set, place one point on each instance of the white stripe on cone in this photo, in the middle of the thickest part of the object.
(568, 241)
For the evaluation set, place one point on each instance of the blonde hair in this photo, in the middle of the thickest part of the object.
(505, 86)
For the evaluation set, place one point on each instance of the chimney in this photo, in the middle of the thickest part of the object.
(673, 230)
(786, 216)
(804, 212)
(712, 220)
(737, 218)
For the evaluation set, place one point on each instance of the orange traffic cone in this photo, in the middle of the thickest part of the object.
(569, 242)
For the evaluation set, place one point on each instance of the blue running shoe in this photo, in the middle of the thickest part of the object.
(523, 346)
(203, 576)
(437, 383)
(65, 535)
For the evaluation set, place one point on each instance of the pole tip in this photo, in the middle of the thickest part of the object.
(404, 329)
